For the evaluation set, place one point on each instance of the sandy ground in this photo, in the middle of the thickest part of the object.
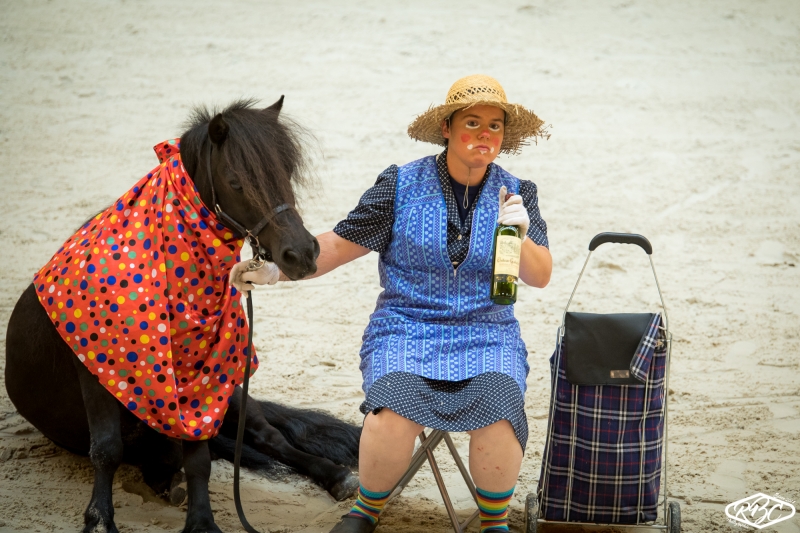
(678, 121)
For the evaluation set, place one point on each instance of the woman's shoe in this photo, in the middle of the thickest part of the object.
(353, 524)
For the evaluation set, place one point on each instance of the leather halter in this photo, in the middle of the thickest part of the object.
(250, 235)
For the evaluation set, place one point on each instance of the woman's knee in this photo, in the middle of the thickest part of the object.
(500, 429)
(388, 423)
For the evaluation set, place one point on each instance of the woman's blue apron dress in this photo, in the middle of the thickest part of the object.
(436, 322)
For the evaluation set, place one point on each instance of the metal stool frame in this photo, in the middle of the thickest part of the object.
(428, 443)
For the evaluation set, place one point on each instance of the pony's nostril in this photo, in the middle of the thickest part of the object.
(290, 257)
(302, 260)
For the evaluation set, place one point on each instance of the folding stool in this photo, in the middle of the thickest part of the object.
(428, 443)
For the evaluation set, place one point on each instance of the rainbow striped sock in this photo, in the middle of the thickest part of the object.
(369, 504)
(493, 509)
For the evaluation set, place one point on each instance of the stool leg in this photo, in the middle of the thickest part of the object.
(428, 443)
(465, 474)
(451, 512)
(417, 461)
(460, 464)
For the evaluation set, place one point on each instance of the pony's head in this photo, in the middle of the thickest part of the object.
(255, 159)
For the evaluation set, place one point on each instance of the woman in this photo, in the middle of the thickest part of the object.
(437, 352)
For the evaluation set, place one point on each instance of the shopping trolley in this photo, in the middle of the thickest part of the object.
(607, 429)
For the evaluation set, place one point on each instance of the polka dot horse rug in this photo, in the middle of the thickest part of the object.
(141, 295)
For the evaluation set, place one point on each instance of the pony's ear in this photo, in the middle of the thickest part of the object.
(276, 107)
(218, 130)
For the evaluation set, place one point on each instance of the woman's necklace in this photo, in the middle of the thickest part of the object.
(466, 192)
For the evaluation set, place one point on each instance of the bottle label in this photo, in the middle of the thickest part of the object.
(506, 259)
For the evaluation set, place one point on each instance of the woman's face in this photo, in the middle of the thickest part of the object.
(475, 134)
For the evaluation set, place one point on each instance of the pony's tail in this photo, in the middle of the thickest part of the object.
(315, 432)
(225, 448)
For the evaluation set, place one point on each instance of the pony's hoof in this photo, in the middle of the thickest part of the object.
(345, 488)
(177, 495)
(177, 489)
(97, 521)
(96, 526)
(207, 528)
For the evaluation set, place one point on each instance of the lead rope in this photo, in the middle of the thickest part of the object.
(237, 457)
(255, 263)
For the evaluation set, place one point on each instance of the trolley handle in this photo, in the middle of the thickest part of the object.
(621, 238)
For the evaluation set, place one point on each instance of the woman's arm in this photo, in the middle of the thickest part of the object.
(535, 264)
(334, 251)
(369, 224)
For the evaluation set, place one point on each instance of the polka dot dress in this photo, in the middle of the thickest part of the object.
(451, 405)
(141, 295)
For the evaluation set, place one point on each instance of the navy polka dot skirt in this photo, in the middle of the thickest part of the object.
(451, 405)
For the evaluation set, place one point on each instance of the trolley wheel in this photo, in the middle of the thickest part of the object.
(532, 513)
(674, 517)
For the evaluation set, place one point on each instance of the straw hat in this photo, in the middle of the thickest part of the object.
(479, 89)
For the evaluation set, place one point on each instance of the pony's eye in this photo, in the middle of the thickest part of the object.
(235, 185)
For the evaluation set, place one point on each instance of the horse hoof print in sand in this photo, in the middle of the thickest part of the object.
(138, 327)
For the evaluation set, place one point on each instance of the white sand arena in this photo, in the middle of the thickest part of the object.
(679, 121)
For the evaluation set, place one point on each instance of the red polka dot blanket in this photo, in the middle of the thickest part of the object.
(141, 295)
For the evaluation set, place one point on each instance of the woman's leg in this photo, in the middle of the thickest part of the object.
(387, 443)
(495, 457)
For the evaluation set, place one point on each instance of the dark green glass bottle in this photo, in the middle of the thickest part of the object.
(505, 264)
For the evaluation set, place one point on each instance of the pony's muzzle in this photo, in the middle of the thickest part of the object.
(298, 263)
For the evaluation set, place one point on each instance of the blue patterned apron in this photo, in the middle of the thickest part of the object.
(432, 319)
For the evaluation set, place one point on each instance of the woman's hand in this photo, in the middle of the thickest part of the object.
(243, 279)
(513, 213)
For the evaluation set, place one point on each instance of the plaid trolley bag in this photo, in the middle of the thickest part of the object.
(606, 432)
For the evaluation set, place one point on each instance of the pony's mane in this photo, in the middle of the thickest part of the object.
(264, 150)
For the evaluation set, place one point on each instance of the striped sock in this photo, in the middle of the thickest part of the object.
(493, 509)
(369, 504)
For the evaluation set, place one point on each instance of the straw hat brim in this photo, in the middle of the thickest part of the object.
(521, 125)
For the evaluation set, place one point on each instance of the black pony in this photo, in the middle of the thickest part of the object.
(255, 160)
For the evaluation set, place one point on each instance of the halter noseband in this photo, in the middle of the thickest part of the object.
(260, 255)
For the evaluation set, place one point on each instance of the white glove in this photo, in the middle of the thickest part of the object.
(513, 212)
(243, 279)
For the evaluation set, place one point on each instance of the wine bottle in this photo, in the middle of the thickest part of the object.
(505, 264)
